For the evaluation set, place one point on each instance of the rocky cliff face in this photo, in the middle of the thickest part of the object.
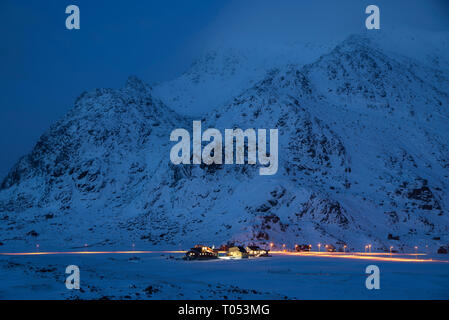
(362, 159)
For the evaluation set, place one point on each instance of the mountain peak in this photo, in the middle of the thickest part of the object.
(134, 83)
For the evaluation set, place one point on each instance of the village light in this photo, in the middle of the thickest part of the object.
(271, 245)
(391, 249)
(319, 247)
(344, 248)
(366, 247)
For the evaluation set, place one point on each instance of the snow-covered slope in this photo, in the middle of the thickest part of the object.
(363, 159)
(222, 73)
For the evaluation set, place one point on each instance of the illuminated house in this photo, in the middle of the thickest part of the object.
(237, 252)
(255, 251)
(302, 247)
(200, 252)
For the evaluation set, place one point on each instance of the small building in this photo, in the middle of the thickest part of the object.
(302, 247)
(443, 250)
(330, 248)
(255, 251)
(200, 252)
(238, 252)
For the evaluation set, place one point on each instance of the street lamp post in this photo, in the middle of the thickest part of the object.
(319, 247)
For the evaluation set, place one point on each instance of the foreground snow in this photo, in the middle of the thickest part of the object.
(167, 276)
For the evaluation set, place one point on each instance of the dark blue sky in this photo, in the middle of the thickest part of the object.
(44, 67)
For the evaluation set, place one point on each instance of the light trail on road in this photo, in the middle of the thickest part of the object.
(43, 253)
(360, 256)
(351, 253)
(372, 256)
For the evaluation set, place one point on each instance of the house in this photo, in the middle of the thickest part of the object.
(255, 251)
(238, 252)
(302, 247)
(200, 252)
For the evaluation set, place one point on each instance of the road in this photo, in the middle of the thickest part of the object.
(371, 256)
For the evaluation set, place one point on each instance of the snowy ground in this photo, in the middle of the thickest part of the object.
(166, 276)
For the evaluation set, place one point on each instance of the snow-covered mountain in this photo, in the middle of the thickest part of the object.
(363, 158)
